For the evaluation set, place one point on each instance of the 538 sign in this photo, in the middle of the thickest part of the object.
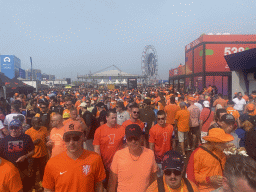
(231, 50)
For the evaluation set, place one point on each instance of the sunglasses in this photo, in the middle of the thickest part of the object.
(132, 138)
(160, 119)
(136, 112)
(14, 128)
(168, 172)
(68, 139)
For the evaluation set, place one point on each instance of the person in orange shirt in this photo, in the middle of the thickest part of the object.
(160, 140)
(56, 144)
(38, 135)
(133, 168)
(173, 167)
(10, 177)
(171, 111)
(206, 163)
(68, 107)
(182, 124)
(134, 119)
(108, 138)
(220, 101)
(246, 97)
(75, 169)
(230, 110)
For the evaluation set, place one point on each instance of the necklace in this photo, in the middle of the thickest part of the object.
(137, 158)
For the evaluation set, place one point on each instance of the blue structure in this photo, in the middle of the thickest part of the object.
(10, 65)
(22, 73)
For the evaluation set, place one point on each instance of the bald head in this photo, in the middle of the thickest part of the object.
(56, 120)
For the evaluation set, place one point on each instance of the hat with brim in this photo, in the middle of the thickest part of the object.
(73, 127)
(83, 104)
(218, 135)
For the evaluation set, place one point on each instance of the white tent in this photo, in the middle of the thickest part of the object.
(116, 82)
(102, 82)
(124, 82)
(109, 82)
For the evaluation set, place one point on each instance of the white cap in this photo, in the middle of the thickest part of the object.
(206, 104)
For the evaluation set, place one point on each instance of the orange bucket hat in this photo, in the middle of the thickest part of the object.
(218, 135)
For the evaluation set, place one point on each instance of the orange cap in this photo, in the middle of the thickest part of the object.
(73, 127)
(250, 107)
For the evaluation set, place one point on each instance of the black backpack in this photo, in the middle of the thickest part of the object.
(160, 184)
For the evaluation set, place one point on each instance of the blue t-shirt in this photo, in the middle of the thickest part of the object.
(11, 148)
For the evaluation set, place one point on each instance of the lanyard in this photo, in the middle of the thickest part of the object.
(181, 190)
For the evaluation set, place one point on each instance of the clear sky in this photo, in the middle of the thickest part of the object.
(69, 38)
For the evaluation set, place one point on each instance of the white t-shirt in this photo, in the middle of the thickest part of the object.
(199, 106)
(239, 104)
(12, 116)
(1, 127)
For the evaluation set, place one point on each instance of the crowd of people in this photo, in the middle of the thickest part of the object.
(147, 139)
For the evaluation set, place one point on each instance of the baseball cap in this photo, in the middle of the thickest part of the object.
(133, 130)
(83, 104)
(228, 118)
(173, 160)
(206, 104)
(73, 127)
(15, 123)
(218, 135)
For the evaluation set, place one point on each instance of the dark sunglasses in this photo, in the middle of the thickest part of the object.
(136, 112)
(14, 128)
(132, 138)
(168, 172)
(68, 139)
(160, 119)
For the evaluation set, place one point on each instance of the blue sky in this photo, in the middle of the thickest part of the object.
(70, 38)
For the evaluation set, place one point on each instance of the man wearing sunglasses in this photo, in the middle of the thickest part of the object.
(17, 148)
(133, 168)
(75, 169)
(161, 139)
(172, 180)
(134, 119)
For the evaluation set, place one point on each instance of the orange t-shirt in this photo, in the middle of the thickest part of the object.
(246, 98)
(232, 111)
(42, 133)
(205, 165)
(138, 122)
(56, 137)
(10, 177)
(133, 175)
(154, 187)
(161, 137)
(182, 118)
(171, 111)
(63, 174)
(110, 140)
(220, 101)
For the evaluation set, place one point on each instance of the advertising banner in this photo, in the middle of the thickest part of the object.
(7, 66)
(215, 53)
(132, 83)
(189, 62)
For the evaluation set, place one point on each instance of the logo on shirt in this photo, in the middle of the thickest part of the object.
(165, 137)
(111, 138)
(86, 169)
(15, 146)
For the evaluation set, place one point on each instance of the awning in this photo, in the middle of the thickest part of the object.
(244, 60)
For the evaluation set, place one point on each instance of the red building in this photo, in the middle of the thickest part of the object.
(205, 63)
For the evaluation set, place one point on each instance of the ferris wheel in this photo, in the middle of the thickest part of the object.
(149, 61)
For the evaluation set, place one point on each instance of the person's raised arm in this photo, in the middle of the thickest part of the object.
(152, 146)
(97, 149)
